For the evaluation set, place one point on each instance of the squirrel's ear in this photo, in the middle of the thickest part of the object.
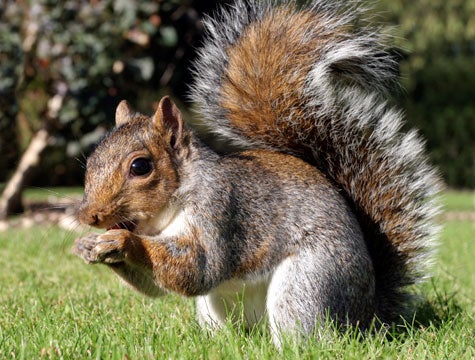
(168, 117)
(123, 113)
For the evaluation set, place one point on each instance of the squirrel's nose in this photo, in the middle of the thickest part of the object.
(93, 220)
(87, 217)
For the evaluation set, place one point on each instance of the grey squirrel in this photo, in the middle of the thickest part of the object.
(326, 208)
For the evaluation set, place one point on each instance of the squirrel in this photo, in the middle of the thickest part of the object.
(321, 207)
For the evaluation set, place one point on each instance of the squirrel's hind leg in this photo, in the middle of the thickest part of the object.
(315, 285)
(235, 300)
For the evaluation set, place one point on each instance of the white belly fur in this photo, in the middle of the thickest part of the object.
(236, 299)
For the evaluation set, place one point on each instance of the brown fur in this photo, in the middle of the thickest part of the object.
(109, 196)
(252, 97)
(141, 258)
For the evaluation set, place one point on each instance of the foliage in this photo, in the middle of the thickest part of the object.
(438, 41)
(10, 59)
(102, 51)
(98, 52)
(55, 306)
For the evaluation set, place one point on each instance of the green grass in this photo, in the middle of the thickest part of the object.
(459, 201)
(52, 305)
(43, 194)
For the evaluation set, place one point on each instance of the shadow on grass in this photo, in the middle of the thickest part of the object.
(435, 311)
(443, 308)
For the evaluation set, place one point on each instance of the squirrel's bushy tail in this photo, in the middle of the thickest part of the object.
(311, 80)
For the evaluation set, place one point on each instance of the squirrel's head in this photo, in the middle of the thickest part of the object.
(134, 171)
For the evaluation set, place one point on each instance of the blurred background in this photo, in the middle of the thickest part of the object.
(65, 65)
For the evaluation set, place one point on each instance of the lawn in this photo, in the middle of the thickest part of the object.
(52, 305)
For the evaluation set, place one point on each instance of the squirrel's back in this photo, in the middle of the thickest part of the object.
(311, 81)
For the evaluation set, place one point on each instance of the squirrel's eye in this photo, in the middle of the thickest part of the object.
(140, 167)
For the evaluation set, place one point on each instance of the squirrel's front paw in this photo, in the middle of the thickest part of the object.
(83, 246)
(107, 248)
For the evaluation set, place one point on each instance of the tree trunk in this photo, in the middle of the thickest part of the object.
(11, 200)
